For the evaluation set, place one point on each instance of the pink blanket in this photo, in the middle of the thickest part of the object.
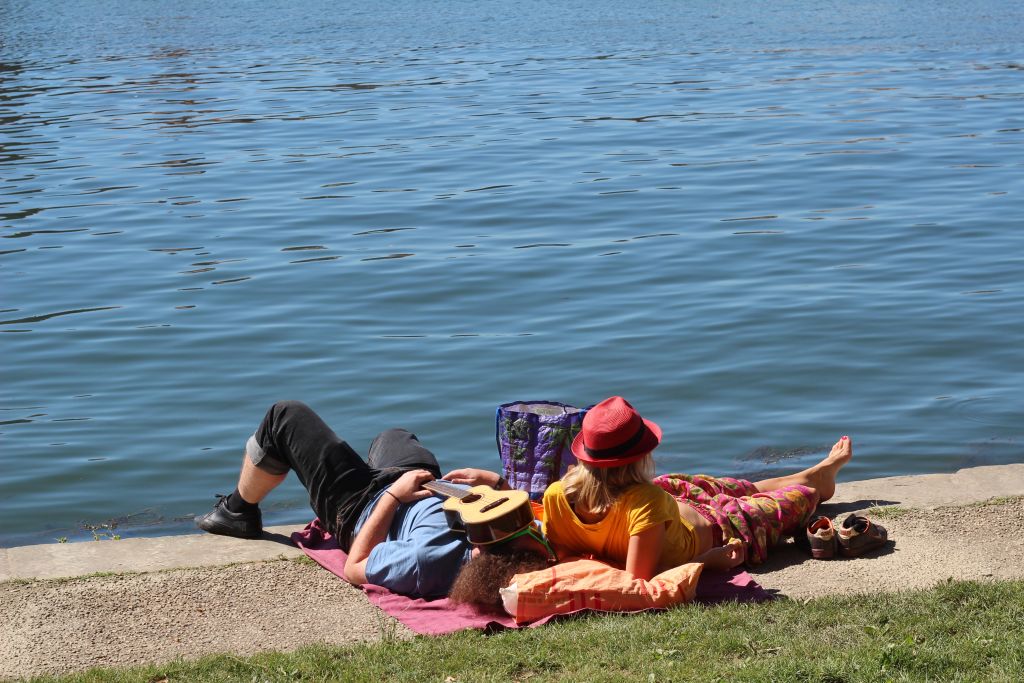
(436, 617)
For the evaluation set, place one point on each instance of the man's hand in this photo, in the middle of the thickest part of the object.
(474, 477)
(408, 488)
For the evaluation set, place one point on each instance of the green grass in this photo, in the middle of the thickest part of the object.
(998, 500)
(895, 511)
(64, 579)
(887, 512)
(298, 559)
(960, 631)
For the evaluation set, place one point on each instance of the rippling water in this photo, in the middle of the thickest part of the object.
(765, 224)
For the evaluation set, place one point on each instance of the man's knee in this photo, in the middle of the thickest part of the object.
(284, 409)
(394, 441)
(401, 448)
(262, 448)
(395, 434)
(264, 460)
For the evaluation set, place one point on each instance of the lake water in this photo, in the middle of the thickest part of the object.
(767, 224)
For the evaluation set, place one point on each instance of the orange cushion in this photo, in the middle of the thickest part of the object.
(590, 584)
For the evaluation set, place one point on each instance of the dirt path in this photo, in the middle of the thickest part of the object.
(56, 626)
(63, 625)
(928, 546)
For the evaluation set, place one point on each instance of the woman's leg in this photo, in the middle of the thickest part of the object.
(701, 488)
(766, 518)
(761, 513)
(821, 477)
(759, 518)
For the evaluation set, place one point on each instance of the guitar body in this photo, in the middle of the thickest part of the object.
(484, 514)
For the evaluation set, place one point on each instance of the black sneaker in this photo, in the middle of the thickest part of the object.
(222, 521)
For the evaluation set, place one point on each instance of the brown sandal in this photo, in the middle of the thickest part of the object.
(821, 535)
(859, 535)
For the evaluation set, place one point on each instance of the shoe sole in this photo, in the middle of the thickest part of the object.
(847, 551)
(214, 528)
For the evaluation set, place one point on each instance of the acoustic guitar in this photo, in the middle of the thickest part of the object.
(482, 513)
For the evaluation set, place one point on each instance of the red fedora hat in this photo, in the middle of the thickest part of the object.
(614, 434)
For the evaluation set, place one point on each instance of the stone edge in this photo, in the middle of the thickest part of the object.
(61, 560)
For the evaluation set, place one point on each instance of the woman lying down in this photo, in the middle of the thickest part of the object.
(613, 509)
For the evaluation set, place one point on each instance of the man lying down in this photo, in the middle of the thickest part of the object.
(394, 531)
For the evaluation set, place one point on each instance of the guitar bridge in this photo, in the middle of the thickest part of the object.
(494, 504)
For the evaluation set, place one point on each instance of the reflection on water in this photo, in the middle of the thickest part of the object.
(41, 318)
(766, 224)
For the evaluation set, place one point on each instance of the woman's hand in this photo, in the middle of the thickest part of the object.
(408, 488)
(471, 476)
(725, 557)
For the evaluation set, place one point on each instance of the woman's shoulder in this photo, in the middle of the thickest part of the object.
(645, 494)
(554, 487)
(554, 490)
(644, 490)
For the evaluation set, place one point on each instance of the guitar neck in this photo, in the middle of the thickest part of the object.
(445, 488)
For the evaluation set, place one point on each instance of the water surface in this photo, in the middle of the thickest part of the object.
(766, 224)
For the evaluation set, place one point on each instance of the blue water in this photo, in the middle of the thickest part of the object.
(767, 224)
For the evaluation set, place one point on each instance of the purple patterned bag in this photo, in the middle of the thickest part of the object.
(533, 441)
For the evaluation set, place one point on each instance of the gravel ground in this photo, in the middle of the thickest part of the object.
(58, 626)
(64, 625)
(926, 547)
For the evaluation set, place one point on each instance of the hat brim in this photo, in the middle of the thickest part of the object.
(650, 441)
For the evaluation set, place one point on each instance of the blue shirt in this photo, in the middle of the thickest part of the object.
(421, 555)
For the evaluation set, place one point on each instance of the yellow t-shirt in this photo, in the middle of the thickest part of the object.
(638, 508)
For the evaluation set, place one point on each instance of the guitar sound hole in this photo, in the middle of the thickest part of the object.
(491, 506)
(471, 498)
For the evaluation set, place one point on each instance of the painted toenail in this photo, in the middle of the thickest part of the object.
(844, 438)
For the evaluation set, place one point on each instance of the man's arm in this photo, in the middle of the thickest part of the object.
(406, 489)
(474, 477)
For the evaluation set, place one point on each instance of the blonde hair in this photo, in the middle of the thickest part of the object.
(595, 489)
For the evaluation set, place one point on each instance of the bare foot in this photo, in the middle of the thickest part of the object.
(841, 452)
(824, 473)
(821, 477)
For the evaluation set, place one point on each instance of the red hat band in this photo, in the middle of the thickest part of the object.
(614, 434)
(618, 449)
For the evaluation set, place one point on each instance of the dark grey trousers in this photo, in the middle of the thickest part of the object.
(339, 482)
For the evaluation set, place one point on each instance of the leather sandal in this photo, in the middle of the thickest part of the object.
(821, 536)
(859, 535)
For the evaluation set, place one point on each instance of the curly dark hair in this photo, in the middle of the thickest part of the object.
(480, 578)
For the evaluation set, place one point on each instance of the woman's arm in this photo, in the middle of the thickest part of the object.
(644, 552)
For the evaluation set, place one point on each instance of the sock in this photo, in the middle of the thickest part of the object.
(235, 503)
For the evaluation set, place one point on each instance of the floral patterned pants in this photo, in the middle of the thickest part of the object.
(739, 510)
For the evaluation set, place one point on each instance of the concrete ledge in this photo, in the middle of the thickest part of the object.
(56, 560)
(936, 490)
(5, 565)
